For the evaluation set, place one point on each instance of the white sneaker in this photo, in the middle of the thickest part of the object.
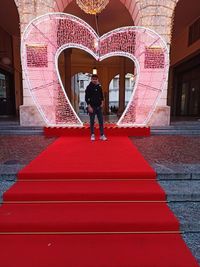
(103, 137)
(92, 137)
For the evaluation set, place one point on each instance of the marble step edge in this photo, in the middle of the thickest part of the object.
(160, 177)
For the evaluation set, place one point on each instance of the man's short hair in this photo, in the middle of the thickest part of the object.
(95, 76)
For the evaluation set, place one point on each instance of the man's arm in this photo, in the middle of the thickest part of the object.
(87, 100)
(87, 96)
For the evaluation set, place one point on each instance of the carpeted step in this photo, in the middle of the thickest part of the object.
(134, 250)
(79, 158)
(86, 233)
(88, 217)
(110, 130)
(137, 190)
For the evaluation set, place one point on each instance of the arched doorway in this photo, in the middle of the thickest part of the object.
(10, 66)
(131, 6)
(115, 15)
(184, 86)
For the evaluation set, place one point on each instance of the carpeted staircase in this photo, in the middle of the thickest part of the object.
(82, 204)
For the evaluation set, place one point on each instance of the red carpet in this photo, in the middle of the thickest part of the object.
(90, 204)
(86, 190)
(139, 250)
(87, 217)
(79, 158)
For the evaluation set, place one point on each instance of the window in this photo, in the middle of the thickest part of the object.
(127, 83)
(194, 32)
(2, 86)
(115, 83)
(81, 84)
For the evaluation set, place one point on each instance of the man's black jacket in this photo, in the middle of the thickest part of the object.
(94, 95)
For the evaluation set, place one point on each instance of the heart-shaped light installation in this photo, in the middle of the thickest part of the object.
(48, 35)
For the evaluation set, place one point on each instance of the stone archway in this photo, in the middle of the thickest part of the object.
(157, 16)
(132, 6)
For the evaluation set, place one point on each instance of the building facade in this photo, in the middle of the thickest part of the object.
(178, 22)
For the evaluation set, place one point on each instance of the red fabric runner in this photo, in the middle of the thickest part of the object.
(90, 204)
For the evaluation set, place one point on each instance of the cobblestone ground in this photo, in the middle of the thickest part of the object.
(22, 149)
(169, 149)
(155, 149)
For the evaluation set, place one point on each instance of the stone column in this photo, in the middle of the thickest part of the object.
(17, 73)
(158, 16)
(28, 10)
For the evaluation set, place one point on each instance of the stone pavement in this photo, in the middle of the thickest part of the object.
(164, 150)
(176, 158)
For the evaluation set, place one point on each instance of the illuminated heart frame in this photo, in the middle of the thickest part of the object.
(47, 36)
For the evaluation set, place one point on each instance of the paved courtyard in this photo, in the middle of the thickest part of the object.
(156, 149)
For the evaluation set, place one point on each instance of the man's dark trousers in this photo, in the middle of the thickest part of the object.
(96, 111)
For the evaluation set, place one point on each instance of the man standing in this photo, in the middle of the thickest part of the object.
(94, 100)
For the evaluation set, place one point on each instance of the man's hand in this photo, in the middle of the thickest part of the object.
(90, 109)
